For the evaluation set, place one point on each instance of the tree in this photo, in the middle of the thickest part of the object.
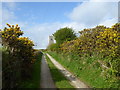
(64, 34)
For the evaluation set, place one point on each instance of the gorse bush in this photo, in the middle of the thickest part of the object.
(98, 40)
(20, 54)
(102, 42)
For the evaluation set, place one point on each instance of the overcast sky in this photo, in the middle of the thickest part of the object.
(38, 20)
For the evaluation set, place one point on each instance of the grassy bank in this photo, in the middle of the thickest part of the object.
(86, 69)
(34, 82)
(59, 79)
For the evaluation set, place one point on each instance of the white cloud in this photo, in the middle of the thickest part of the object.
(76, 26)
(109, 22)
(40, 32)
(92, 13)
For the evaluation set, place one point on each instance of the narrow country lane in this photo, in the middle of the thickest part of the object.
(73, 80)
(46, 78)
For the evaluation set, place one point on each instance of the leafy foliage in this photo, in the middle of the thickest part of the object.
(99, 40)
(21, 54)
(64, 34)
(53, 47)
(104, 42)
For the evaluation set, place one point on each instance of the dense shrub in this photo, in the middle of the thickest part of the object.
(101, 42)
(20, 56)
(64, 34)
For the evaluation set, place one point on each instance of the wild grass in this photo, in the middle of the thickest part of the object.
(59, 79)
(86, 69)
(34, 81)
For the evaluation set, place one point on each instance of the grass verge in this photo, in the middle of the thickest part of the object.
(59, 79)
(34, 82)
(85, 70)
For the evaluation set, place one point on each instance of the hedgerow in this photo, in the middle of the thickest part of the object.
(102, 42)
(20, 56)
